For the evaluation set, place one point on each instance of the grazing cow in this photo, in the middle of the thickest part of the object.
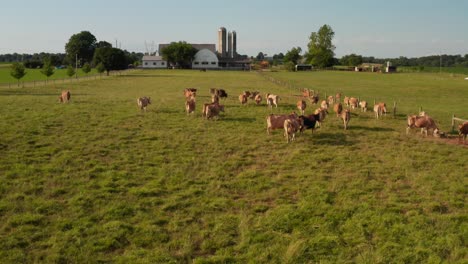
(346, 101)
(190, 92)
(462, 131)
(258, 99)
(353, 102)
(190, 105)
(346, 116)
(331, 100)
(324, 105)
(143, 102)
(291, 126)
(363, 105)
(272, 100)
(214, 98)
(277, 121)
(322, 113)
(243, 98)
(338, 108)
(301, 105)
(425, 123)
(213, 110)
(64, 97)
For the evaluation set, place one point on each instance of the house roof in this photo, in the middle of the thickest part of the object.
(152, 58)
(211, 47)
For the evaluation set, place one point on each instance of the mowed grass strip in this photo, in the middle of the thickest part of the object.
(98, 180)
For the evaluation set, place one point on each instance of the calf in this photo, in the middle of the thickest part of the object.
(425, 123)
(272, 99)
(363, 105)
(301, 105)
(462, 131)
(243, 98)
(213, 110)
(277, 121)
(258, 99)
(291, 126)
(190, 105)
(346, 116)
(338, 108)
(143, 102)
(64, 97)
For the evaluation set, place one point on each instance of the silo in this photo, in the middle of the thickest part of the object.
(234, 44)
(222, 41)
(229, 51)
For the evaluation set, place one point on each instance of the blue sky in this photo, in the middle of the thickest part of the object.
(410, 28)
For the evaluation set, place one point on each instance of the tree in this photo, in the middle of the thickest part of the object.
(17, 71)
(321, 48)
(47, 68)
(260, 56)
(293, 55)
(100, 68)
(111, 58)
(86, 68)
(70, 71)
(103, 44)
(351, 60)
(179, 54)
(290, 66)
(81, 45)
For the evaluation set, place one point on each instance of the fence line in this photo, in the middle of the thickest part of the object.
(39, 83)
(457, 120)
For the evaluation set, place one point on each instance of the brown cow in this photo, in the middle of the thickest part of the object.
(64, 97)
(291, 126)
(277, 121)
(213, 110)
(346, 116)
(324, 105)
(306, 92)
(425, 123)
(243, 98)
(462, 131)
(322, 113)
(190, 92)
(258, 99)
(353, 102)
(346, 101)
(378, 110)
(331, 100)
(338, 108)
(190, 105)
(143, 102)
(301, 105)
(247, 93)
(253, 95)
(363, 105)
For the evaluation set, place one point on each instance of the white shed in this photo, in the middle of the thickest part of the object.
(205, 59)
(153, 62)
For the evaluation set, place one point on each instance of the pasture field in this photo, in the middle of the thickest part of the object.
(98, 181)
(36, 75)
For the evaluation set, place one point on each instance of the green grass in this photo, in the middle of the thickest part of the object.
(36, 75)
(452, 70)
(98, 181)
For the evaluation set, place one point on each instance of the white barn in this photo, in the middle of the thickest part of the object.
(153, 62)
(205, 59)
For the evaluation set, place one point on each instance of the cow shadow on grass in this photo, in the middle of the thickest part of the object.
(373, 129)
(335, 139)
(240, 119)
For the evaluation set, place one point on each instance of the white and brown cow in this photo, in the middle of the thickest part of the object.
(425, 123)
(291, 126)
(301, 105)
(322, 113)
(258, 99)
(346, 101)
(272, 99)
(64, 97)
(190, 92)
(324, 105)
(338, 108)
(462, 131)
(277, 121)
(331, 100)
(346, 116)
(190, 105)
(353, 102)
(243, 98)
(379, 109)
(143, 102)
(213, 110)
(363, 105)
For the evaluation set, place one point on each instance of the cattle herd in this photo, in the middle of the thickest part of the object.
(293, 123)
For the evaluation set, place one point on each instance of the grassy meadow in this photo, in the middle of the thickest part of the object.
(36, 75)
(98, 181)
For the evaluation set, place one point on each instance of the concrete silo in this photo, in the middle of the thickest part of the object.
(233, 53)
(222, 41)
(229, 42)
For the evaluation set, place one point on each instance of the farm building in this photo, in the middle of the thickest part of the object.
(303, 67)
(205, 59)
(153, 62)
(369, 67)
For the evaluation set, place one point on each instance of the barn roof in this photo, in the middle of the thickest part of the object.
(152, 58)
(211, 47)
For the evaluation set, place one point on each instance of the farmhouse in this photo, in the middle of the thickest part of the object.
(153, 62)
